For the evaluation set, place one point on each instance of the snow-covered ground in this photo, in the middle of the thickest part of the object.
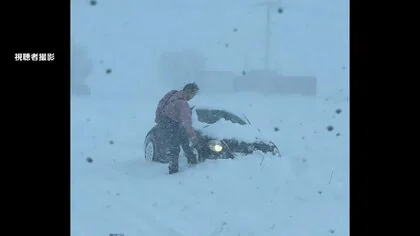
(306, 192)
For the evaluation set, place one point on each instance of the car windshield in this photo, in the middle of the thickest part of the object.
(212, 116)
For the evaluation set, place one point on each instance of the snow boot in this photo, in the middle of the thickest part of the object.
(172, 169)
(192, 161)
(173, 166)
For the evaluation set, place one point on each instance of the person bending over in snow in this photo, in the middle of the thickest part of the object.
(173, 115)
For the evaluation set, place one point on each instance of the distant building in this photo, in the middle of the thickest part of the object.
(177, 68)
(216, 81)
(269, 82)
(81, 68)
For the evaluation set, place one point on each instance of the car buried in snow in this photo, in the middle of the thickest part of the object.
(222, 135)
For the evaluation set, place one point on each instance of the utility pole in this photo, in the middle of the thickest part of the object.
(269, 6)
(246, 61)
(267, 38)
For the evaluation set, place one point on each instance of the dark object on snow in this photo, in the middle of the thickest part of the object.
(93, 2)
(338, 134)
(338, 111)
(111, 142)
(243, 72)
(157, 143)
(276, 129)
(108, 71)
(280, 10)
(235, 30)
(226, 45)
(89, 160)
(330, 128)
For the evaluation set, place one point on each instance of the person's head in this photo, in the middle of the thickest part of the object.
(190, 90)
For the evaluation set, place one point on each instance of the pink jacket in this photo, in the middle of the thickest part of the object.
(174, 105)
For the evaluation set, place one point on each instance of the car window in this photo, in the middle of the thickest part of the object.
(212, 116)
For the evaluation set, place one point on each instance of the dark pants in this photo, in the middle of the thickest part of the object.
(175, 137)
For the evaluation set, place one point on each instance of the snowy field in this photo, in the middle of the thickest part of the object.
(114, 190)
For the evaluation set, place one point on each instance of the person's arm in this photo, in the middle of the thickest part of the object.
(186, 121)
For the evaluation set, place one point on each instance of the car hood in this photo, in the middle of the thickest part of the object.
(224, 129)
